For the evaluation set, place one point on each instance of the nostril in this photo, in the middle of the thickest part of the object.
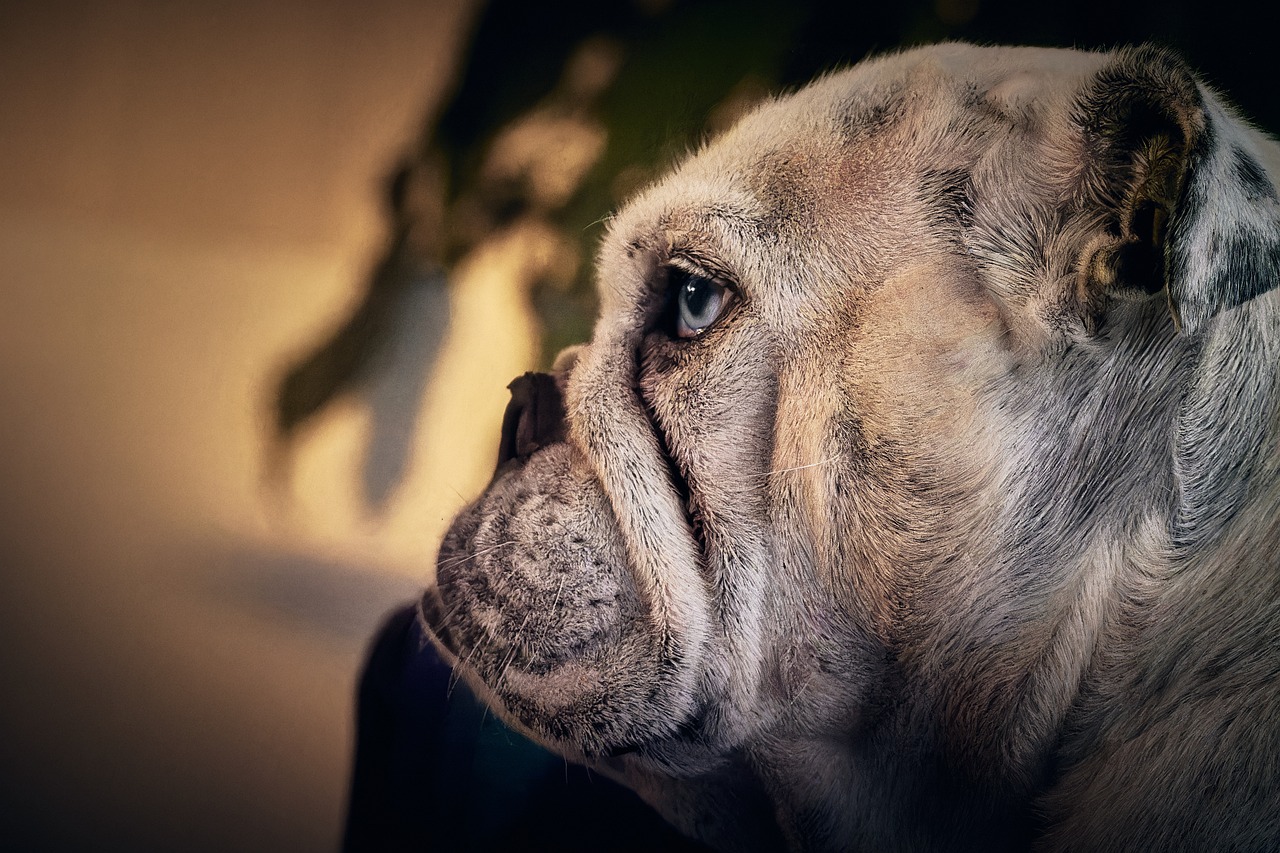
(534, 417)
(510, 424)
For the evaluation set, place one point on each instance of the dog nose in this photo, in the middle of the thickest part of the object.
(534, 418)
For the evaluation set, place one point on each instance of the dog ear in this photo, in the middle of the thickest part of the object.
(1188, 208)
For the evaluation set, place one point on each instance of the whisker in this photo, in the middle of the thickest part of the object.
(456, 673)
(826, 461)
(451, 612)
(515, 647)
(559, 590)
(463, 558)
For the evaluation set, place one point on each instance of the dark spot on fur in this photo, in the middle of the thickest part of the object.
(782, 189)
(971, 96)
(1226, 660)
(874, 114)
(1244, 266)
(1251, 176)
(850, 439)
(948, 194)
(1240, 265)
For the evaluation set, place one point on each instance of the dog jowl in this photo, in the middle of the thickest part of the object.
(920, 478)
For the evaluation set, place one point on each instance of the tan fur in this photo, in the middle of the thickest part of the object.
(957, 529)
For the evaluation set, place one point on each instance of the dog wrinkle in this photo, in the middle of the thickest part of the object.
(733, 440)
(1212, 490)
(647, 511)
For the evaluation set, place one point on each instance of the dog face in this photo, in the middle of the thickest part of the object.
(900, 393)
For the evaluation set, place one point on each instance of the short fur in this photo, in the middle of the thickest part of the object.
(958, 530)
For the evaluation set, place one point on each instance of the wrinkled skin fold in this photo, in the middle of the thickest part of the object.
(955, 527)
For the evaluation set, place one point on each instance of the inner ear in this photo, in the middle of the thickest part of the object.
(1148, 153)
(1139, 119)
(1139, 259)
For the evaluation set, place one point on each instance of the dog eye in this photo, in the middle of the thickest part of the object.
(699, 302)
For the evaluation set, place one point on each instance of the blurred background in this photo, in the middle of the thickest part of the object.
(265, 270)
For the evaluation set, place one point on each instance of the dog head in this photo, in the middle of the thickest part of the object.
(875, 373)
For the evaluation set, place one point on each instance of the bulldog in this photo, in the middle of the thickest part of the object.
(918, 488)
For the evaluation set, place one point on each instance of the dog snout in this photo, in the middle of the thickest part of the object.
(534, 418)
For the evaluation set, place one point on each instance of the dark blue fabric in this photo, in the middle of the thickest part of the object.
(434, 770)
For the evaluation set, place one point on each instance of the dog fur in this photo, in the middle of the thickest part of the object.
(957, 529)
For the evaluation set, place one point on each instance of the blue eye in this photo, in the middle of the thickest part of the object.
(699, 303)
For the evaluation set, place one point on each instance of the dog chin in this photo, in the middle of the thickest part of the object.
(535, 607)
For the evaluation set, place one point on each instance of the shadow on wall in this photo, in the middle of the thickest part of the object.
(386, 349)
(562, 113)
(318, 596)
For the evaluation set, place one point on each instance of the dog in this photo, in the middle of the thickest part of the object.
(918, 487)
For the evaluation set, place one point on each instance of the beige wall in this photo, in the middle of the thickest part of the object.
(188, 194)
